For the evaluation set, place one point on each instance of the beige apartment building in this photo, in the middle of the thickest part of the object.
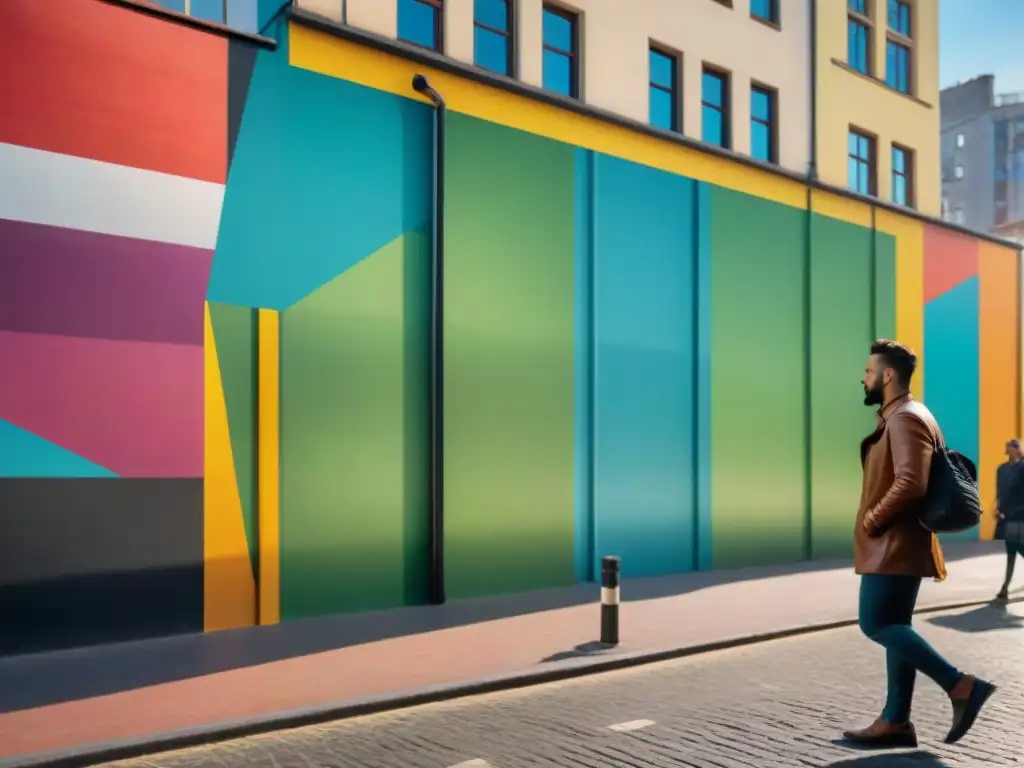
(729, 72)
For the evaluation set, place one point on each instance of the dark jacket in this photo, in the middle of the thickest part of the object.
(1010, 491)
(896, 457)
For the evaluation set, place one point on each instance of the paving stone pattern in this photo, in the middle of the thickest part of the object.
(781, 703)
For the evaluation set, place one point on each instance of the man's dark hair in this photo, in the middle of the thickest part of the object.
(899, 357)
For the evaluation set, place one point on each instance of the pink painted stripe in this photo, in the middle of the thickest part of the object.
(134, 407)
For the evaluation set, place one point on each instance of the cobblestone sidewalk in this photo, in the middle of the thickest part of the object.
(781, 703)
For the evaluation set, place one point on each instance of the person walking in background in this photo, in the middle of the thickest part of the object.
(893, 552)
(1010, 510)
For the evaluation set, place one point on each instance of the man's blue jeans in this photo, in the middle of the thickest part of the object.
(886, 611)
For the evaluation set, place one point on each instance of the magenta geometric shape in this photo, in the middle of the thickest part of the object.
(134, 407)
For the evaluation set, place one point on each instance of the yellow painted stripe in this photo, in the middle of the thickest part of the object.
(269, 466)
(842, 208)
(909, 234)
(329, 55)
(229, 590)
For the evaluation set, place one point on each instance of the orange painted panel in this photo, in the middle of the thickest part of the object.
(96, 80)
(999, 350)
(949, 259)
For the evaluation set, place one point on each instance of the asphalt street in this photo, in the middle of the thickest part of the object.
(781, 703)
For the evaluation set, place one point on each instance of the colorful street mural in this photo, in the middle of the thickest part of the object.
(214, 302)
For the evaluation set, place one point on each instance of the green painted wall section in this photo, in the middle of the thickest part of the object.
(354, 371)
(509, 519)
(757, 380)
(842, 326)
(885, 287)
(234, 332)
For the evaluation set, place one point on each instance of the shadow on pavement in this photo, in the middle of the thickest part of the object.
(987, 618)
(36, 680)
(917, 758)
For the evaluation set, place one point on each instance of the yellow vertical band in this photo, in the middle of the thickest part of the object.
(269, 425)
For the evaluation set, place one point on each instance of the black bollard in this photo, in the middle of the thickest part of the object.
(610, 601)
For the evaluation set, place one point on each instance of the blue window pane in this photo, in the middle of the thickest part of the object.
(662, 69)
(760, 142)
(662, 109)
(416, 23)
(490, 50)
(899, 190)
(863, 148)
(712, 126)
(557, 31)
(851, 144)
(173, 5)
(897, 67)
(763, 9)
(493, 13)
(858, 6)
(851, 173)
(760, 105)
(862, 179)
(557, 73)
(712, 89)
(242, 14)
(857, 40)
(898, 164)
(899, 17)
(208, 10)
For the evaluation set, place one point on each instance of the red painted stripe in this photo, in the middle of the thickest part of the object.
(109, 83)
(949, 259)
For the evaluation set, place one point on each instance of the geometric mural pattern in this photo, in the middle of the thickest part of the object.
(214, 314)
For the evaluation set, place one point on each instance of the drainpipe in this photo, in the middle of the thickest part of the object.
(435, 587)
(812, 20)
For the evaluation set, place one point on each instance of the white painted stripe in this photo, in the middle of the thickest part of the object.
(632, 725)
(475, 763)
(65, 191)
(609, 595)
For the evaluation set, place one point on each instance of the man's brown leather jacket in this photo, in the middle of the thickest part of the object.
(897, 458)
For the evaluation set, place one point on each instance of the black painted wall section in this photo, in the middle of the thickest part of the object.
(96, 560)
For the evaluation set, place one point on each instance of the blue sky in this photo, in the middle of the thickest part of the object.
(979, 37)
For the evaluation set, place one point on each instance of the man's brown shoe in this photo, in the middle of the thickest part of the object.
(882, 735)
(967, 706)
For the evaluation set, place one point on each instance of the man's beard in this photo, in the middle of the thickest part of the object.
(873, 396)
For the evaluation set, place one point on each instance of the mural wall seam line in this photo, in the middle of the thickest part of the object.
(702, 328)
(808, 490)
(255, 454)
(591, 416)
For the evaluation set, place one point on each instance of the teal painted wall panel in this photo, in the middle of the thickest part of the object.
(324, 173)
(842, 326)
(952, 371)
(757, 380)
(354, 362)
(509, 360)
(645, 250)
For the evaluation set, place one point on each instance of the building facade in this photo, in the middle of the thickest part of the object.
(983, 158)
(732, 73)
(216, 288)
(877, 99)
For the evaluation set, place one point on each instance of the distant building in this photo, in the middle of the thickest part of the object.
(983, 158)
